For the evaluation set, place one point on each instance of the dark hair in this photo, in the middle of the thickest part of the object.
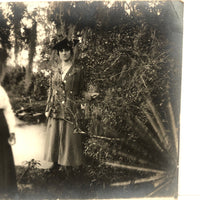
(67, 49)
(3, 57)
(65, 44)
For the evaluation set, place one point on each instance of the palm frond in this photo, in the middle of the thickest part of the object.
(159, 171)
(149, 179)
(173, 126)
(132, 167)
(156, 128)
(159, 122)
(147, 134)
(160, 187)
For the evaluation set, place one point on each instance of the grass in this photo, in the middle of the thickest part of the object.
(92, 182)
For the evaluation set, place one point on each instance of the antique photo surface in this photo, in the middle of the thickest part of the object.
(95, 87)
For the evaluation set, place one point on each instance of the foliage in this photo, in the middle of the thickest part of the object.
(28, 106)
(18, 10)
(22, 24)
(32, 51)
(138, 47)
(130, 57)
(128, 62)
(4, 31)
(92, 182)
(14, 82)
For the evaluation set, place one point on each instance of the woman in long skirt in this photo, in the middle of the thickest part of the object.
(8, 186)
(63, 143)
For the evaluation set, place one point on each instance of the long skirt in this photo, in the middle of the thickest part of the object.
(62, 145)
(7, 168)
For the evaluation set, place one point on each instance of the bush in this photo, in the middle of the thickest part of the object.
(27, 103)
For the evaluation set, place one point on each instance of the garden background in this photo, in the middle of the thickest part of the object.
(131, 54)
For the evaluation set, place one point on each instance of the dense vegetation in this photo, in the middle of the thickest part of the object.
(132, 58)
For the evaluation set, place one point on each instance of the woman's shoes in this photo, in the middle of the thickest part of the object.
(54, 167)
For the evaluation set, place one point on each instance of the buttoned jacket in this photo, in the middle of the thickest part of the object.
(65, 95)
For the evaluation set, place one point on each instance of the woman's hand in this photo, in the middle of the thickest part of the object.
(91, 95)
(94, 95)
(12, 139)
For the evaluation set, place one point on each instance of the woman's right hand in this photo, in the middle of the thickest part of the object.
(94, 95)
(12, 139)
(91, 95)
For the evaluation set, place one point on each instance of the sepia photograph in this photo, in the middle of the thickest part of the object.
(90, 98)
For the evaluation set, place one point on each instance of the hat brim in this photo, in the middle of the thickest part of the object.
(65, 44)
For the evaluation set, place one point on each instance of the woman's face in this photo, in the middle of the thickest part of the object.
(65, 55)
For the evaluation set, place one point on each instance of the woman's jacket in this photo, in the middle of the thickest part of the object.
(66, 95)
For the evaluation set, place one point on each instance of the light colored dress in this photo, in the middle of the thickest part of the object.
(63, 109)
(8, 112)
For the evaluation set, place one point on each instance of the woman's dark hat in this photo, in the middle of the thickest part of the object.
(65, 44)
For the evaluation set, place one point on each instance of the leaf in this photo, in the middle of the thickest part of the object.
(173, 125)
(149, 179)
(155, 127)
(132, 167)
(147, 133)
(159, 122)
